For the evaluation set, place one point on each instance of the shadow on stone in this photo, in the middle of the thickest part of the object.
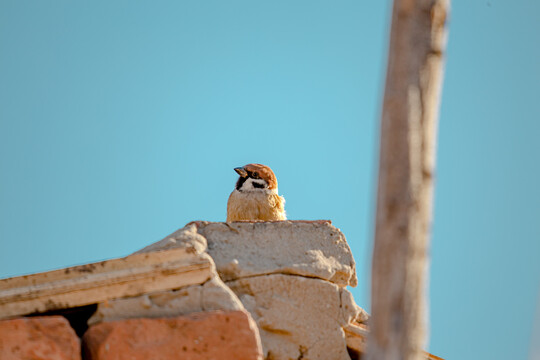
(77, 316)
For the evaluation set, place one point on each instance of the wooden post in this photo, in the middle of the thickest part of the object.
(406, 164)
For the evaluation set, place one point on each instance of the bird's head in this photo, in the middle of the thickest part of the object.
(256, 177)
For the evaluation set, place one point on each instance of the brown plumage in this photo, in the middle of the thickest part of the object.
(255, 196)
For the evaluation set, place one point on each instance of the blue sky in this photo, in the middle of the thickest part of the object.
(121, 121)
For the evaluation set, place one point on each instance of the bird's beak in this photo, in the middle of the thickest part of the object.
(241, 171)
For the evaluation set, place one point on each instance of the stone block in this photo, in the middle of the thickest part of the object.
(310, 249)
(38, 338)
(298, 317)
(212, 295)
(93, 283)
(211, 335)
(313, 249)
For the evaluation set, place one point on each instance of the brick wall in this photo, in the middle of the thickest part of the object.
(209, 335)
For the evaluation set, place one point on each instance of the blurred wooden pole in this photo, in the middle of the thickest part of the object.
(406, 164)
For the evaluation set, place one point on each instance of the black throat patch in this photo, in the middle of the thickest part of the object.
(240, 182)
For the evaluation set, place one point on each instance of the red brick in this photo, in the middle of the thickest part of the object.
(38, 338)
(211, 335)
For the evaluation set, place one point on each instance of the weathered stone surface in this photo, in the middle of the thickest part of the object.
(211, 335)
(186, 238)
(38, 338)
(291, 277)
(242, 249)
(205, 296)
(212, 295)
(356, 336)
(298, 317)
(133, 275)
(284, 247)
(358, 314)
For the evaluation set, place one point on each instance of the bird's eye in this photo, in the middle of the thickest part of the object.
(255, 175)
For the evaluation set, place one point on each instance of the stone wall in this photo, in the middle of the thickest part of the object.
(246, 290)
(227, 335)
(290, 275)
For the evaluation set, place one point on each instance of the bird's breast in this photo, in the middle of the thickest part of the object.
(255, 205)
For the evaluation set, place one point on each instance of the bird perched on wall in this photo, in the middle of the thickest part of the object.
(255, 196)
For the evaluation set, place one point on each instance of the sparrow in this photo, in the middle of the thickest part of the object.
(255, 196)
